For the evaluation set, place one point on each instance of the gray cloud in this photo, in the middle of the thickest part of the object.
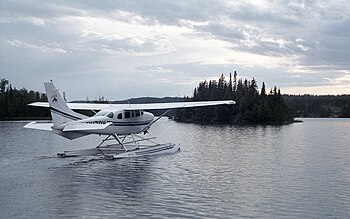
(291, 43)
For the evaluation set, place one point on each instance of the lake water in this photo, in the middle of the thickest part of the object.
(300, 170)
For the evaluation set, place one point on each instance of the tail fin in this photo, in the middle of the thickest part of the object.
(60, 112)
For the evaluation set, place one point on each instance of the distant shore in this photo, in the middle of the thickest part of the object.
(239, 124)
(25, 118)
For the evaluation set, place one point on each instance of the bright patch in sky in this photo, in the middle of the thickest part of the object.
(121, 49)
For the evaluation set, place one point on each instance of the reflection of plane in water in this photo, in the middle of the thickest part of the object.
(79, 181)
(128, 124)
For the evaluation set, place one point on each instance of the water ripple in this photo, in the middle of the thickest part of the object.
(293, 171)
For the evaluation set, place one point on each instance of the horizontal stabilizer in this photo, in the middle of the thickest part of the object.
(78, 126)
(39, 125)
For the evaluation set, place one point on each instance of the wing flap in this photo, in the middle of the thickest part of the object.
(46, 126)
(84, 127)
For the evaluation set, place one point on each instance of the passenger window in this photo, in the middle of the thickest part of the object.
(132, 113)
(127, 115)
(142, 113)
(137, 113)
(110, 115)
(120, 116)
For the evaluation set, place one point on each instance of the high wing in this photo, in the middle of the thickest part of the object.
(148, 106)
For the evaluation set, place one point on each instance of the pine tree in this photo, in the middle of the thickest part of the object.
(3, 85)
(234, 84)
(263, 90)
(228, 93)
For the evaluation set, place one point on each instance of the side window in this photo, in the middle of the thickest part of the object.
(137, 113)
(142, 113)
(120, 116)
(132, 113)
(127, 115)
(110, 115)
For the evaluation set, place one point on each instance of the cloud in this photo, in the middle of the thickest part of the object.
(41, 46)
(292, 44)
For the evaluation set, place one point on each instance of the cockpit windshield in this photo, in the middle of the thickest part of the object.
(101, 113)
(110, 115)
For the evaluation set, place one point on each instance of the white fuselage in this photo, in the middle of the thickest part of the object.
(123, 122)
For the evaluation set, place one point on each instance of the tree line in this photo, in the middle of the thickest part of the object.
(319, 105)
(252, 106)
(13, 102)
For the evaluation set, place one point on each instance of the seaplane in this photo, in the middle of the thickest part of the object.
(127, 125)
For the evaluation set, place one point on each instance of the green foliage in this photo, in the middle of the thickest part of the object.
(319, 106)
(13, 102)
(251, 107)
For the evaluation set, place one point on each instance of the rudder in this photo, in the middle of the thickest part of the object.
(60, 111)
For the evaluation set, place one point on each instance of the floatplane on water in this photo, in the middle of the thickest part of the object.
(127, 124)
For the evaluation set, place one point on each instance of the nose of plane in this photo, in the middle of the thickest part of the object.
(149, 116)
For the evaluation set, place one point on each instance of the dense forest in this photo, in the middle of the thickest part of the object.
(13, 103)
(253, 107)
(319, 106)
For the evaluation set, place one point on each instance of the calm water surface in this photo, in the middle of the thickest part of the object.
(294, 171)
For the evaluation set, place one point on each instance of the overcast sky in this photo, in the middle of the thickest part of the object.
(122, 49)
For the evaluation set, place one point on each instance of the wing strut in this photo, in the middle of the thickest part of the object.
(149, 125)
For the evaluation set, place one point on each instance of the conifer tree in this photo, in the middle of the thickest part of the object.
(263, 90)
(251, 107)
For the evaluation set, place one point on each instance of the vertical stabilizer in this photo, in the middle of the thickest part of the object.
(60, 112)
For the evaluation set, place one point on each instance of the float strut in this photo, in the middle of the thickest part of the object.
(119, 141)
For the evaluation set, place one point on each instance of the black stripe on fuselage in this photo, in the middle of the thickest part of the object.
(68, 116)
(130, 123)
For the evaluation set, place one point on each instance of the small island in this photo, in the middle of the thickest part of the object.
(253, 107)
